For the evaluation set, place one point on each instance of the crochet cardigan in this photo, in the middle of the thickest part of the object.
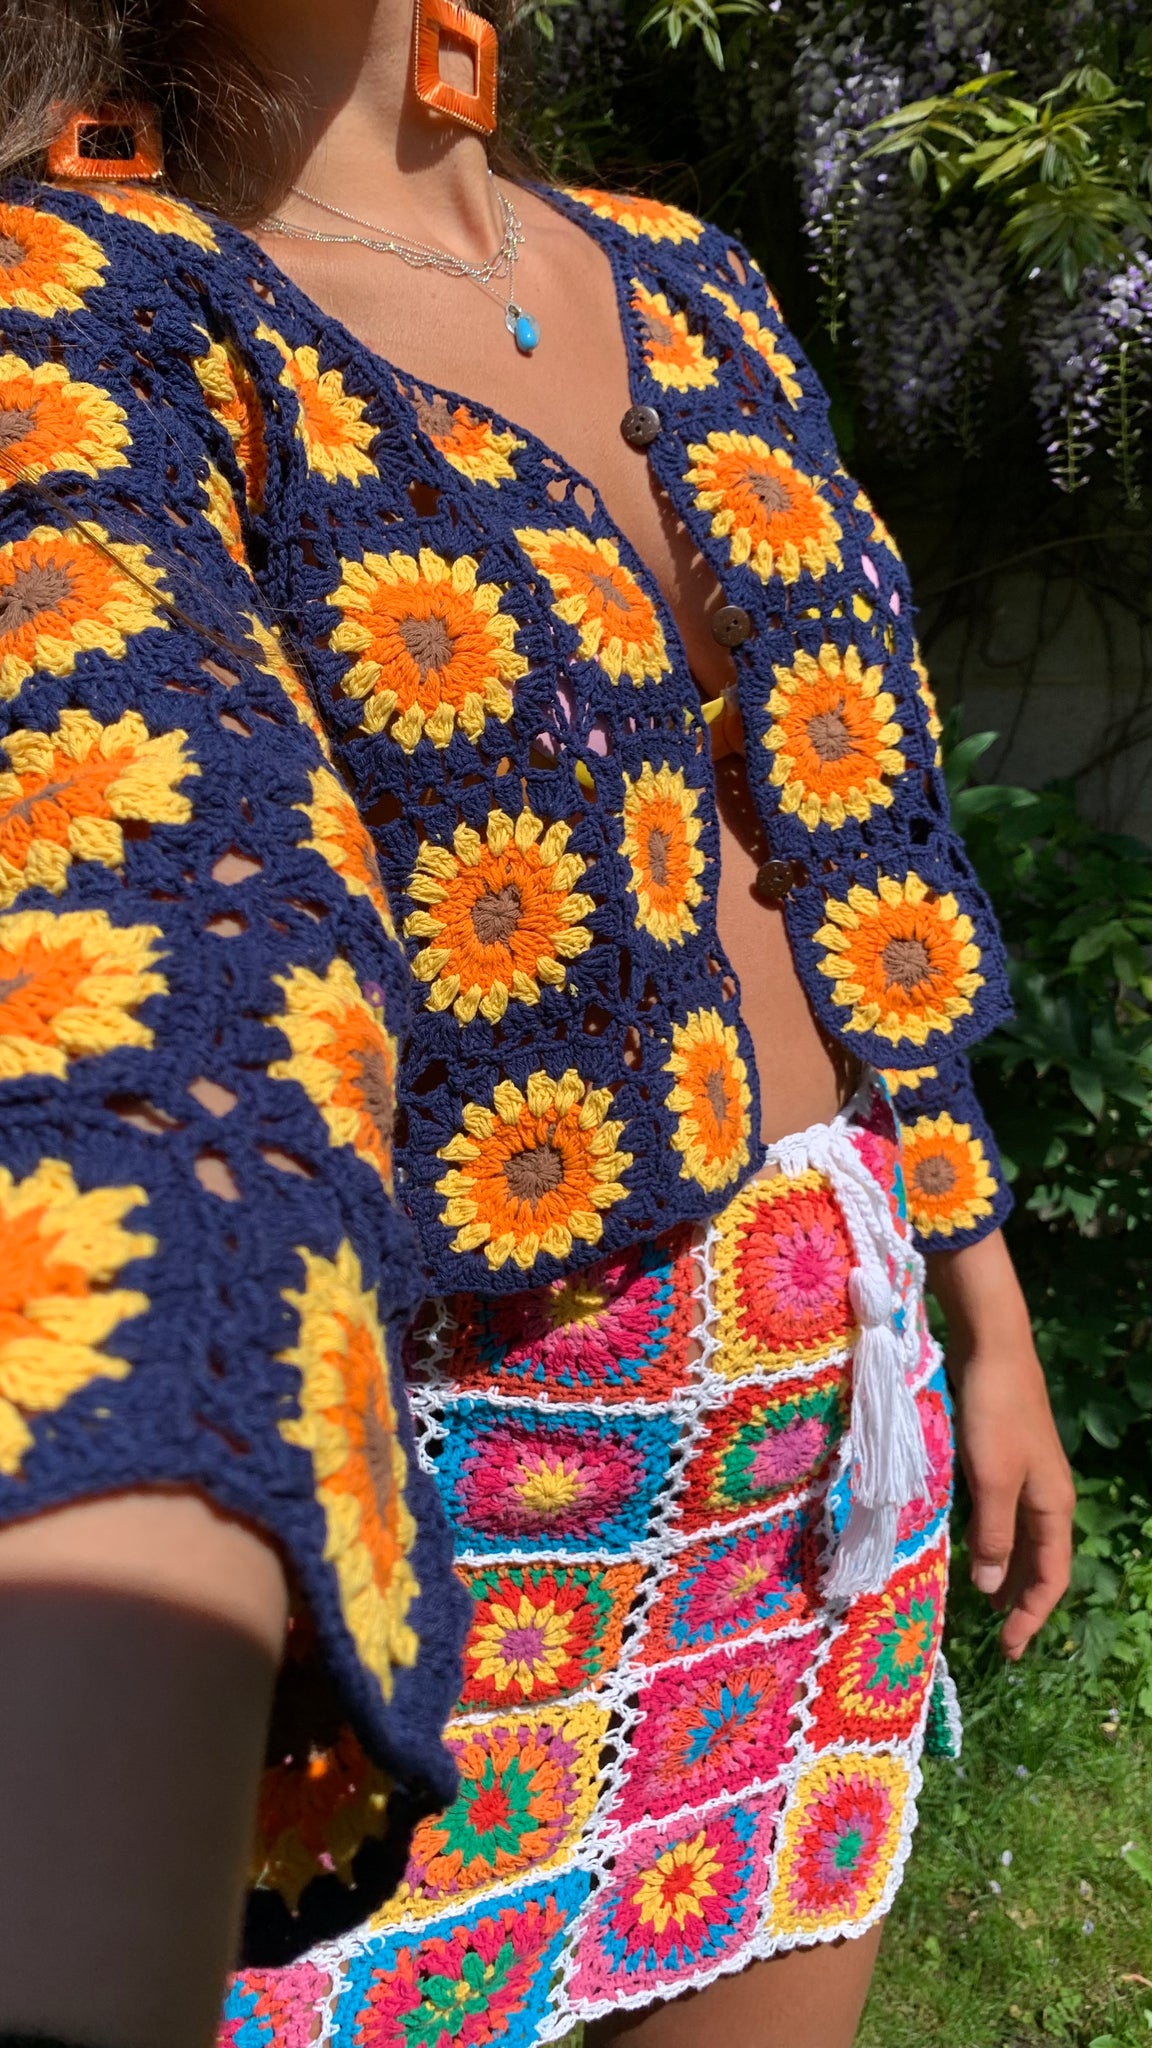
(264, 596)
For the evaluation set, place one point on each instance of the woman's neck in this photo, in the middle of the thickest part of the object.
(369, 146)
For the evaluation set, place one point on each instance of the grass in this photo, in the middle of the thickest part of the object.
(1025, 1917)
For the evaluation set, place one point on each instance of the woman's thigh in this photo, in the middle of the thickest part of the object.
(808, 1998)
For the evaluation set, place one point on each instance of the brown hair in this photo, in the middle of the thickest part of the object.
(212, 98)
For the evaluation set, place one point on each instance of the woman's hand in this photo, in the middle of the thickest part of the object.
(1020, 1531)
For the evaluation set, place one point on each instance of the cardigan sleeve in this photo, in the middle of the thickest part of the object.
(206, 1268)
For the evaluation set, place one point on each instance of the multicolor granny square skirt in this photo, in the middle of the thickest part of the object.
(679, 1751)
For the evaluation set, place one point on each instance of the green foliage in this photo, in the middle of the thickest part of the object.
(1068, 1089)
(1067, 173)
(679, 20)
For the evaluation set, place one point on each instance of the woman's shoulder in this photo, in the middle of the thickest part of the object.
(657, 229)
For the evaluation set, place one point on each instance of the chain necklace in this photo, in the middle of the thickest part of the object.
(499, 267)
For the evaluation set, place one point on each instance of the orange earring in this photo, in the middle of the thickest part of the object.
(81, 150)
(434, 20)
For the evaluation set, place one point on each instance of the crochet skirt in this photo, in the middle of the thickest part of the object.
(704, 1661)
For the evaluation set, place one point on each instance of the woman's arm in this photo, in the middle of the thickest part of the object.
(1020, 1531)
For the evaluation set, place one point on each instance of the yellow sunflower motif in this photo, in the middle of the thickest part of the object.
(661, 828)
(343, 1057)
(340, 837)
(47, 266)
(896, 1078)
(347, 1424)
(58, 1306)
(675, 355)
(774, 518)
(222, 512)
(833, 737)
(502, 915)
(329, 419)
(51, 422)
(927, 697)
(903, 959)
(272, 659)
(154, 210)
(762, 340)
(950, 1183)
(533, 1173)
(67, 794)
(474, 447)
(70, 984)
(228, 388)
(435, 651)
(651, 218)
(711, 1100)
(64, 593)
(593, 591)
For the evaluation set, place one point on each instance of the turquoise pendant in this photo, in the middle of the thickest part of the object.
(522, 327)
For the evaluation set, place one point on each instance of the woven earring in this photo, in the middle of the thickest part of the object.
(434, 20)
(92, 145)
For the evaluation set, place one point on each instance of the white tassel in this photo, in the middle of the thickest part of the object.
(863, 1557)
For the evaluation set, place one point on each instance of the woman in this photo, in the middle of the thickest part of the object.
(607, 669)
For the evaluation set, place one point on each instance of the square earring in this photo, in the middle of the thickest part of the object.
(435, 19)
(81, 148)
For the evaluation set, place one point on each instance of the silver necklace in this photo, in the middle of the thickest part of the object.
(525, 331)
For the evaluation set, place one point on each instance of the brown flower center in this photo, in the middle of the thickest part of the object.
(534, 1173)
(829, 735)
(13, 986)
(39, 588)
(378, 1456)
(659, 847)
(379, 1102)
(12, 253)
(608, 589)
(429, 643)
(771, 493)
(717, 1094)
(935, 1175)
(496, 914)
(661, 331)
(17, 421)
(434, 416)
(906, 962)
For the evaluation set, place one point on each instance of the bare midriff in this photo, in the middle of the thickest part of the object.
(572, 396)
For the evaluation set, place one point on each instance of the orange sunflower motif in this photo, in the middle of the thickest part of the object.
(711, 1100)
(927, 697)
(774, 518)
(903, 959)
(222, 512)
(50, 421)
(272, 660)
(340, 837)
(474, 447)
(762, 340)
(232, 396)
(534, 1172)
(593, 591)
(343, 1058)
(47, 266)
(347, 1424)
(153, 210)
(675, 356)
(67, 794)
(58, 1305)
(648, 217)
(833, 737)
(70, 984)
(435, 650)
(502, 915)
(314, 1814)
(661, 828)
(950, 1183)
(65, 593)
(329, 419)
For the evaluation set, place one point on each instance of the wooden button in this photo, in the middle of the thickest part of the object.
(641, 425)
(731, 625)
(777, 878)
